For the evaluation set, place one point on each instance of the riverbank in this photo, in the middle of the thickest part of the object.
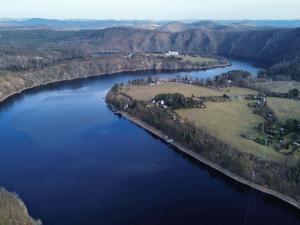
(196, 156)
(17, 83)
(12, 84)
(6, 98)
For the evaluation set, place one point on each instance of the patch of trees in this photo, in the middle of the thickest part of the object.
(234, 77)
(284, 70)
(141, 81)
(231, 78)
(22, 60)
(293, 93)
(292, 125)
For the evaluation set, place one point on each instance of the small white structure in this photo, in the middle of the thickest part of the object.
(296, 144)
(172, 53)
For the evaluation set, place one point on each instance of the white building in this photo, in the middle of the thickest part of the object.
(172, 53)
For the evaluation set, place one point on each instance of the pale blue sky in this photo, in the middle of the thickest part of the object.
(151, 9)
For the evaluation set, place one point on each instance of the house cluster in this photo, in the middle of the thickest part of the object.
(158, 81)
(277, 137)
(285, 138)
(259, 100)
(160, 103)
(284, 144)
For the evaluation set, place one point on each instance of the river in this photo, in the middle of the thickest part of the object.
(73, 162)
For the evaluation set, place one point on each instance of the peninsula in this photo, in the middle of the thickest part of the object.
(235, 130)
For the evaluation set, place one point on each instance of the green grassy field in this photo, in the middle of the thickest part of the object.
(236, 91)
(227, 121)
(149, 92)
(285, 108)
(198, 59)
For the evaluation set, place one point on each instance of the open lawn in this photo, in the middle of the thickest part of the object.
(227, 121)
(237, 91)
(147, 93)
(285, 108)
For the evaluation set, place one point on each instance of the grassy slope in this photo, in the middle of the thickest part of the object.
(228, 120)
(234, 91)
(285, 108)
(149, 92)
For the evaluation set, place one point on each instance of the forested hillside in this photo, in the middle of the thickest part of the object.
(267, 45)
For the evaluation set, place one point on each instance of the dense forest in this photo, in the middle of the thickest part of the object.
(267, 45)
(284, 70)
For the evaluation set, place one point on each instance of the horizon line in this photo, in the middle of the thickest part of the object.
(154, 20)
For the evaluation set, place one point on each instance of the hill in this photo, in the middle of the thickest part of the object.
(286, 69)
(78, 24)
(268, 45)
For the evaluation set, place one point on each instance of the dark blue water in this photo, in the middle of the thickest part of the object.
(73, 162)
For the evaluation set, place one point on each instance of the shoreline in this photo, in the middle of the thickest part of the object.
(6, 98)
(181, 148)
(161, 135)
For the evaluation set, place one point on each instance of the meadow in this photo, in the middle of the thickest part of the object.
(285, 108)
(148, 92)
(228, 121)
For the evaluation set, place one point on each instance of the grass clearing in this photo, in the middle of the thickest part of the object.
(284, 108)
(147, 93)
(237, 91)
(227, 121)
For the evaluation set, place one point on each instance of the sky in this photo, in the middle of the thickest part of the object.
(151, 9)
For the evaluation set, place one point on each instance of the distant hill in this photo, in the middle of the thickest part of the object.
(264, 23)
(170, 26)
(39, 23)
(174, 27)
(267, 45)
(286, 69)
(181, 26)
